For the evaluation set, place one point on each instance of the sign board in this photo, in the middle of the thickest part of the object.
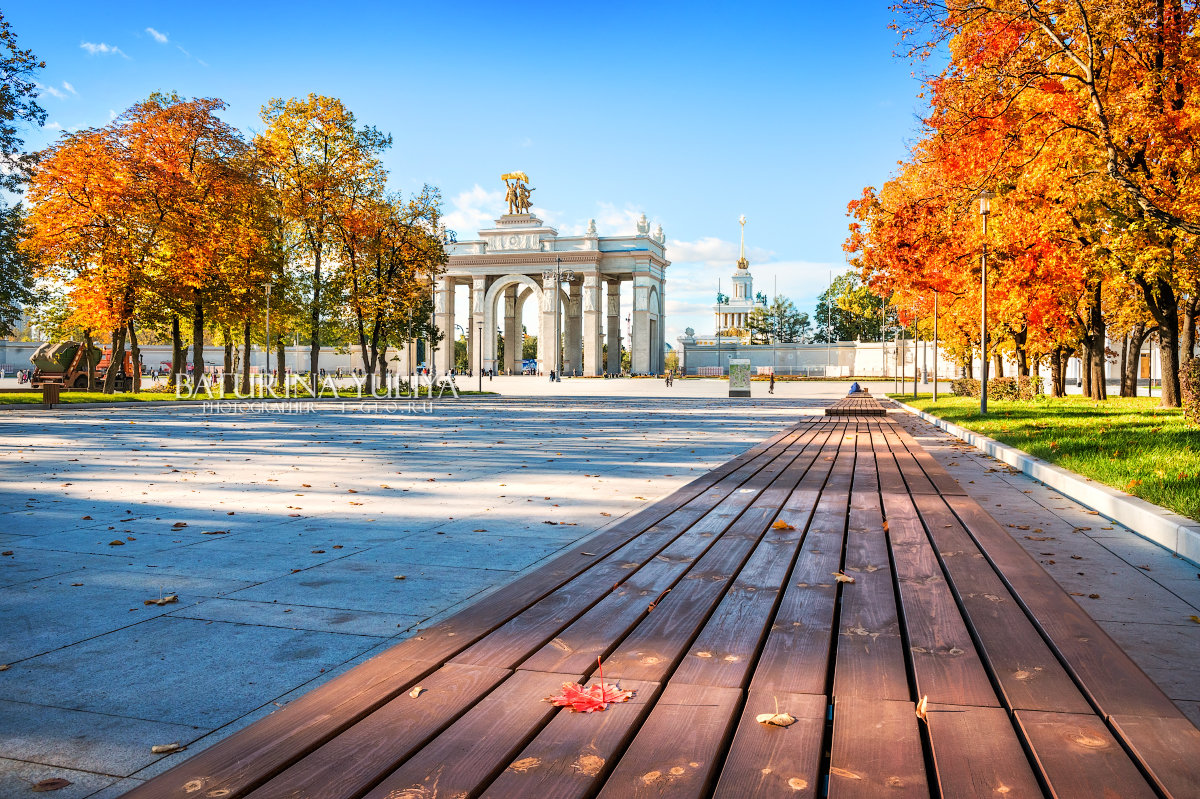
(739, 377)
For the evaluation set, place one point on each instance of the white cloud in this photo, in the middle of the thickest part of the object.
(179, 47)
(474, 209)
(69, 88)
(102, 49)
(53, 92)
(53, 126)
(161, 38)
(112, 114)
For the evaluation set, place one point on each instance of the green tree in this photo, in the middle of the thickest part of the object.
(18, 105)
(851, 309)
(780, 320)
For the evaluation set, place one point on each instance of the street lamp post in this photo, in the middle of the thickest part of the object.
(267, 289)
(557, 275)
(935, 344)
(985, 208)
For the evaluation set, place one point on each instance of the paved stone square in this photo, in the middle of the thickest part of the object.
(285, 538)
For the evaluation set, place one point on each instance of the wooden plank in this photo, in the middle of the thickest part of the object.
(652, 649)
(575, 752)
(473, 750)
(890, 479)
(765, 760)
(1079, 757)
(596, 632)
(1167, 749)
(976, 753)
(870, 653)
(242, 761)
(914, 476)
(676, 751)
(942, 480)
(1030, 676)
(725, 650)
(1105, 673)
(537, 626)
(946, 665)
(359, 757)
(876, 750)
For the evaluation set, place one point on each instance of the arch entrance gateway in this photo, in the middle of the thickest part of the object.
(504, 268)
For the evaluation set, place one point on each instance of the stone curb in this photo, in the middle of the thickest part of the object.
(1168, 529)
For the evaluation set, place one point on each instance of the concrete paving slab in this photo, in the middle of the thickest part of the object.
(47, 614)
(358, 584)
(246, 560)
(85, 741)
(25, 565)
(100, 542)
(179, 671)
(300, 617)
(433, 550)
(17, 778)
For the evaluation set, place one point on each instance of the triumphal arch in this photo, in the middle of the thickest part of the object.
(574, 281)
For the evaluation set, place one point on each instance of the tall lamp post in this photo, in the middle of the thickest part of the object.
(557, 275)
(267, 289)
(985, 208)
(479, 324)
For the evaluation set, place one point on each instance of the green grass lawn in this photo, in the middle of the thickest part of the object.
(1127, 443)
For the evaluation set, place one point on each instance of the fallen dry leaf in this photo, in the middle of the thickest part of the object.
(589, 700)
(166, 749)
(1195, 619)
(5, 667)
(414, 693)
(214, 532)
(6, 552)
(52, 784)
(116, 543)
(922, 707)
(842, 577)
(166, 600)
(782, 525)
(776, 719)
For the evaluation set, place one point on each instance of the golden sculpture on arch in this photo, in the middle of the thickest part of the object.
(517, 195)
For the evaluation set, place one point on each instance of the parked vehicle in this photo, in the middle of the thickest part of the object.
(66, 364)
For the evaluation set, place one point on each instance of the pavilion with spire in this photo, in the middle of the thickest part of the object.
(732, 313)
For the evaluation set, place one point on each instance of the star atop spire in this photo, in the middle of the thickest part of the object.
(742, 262)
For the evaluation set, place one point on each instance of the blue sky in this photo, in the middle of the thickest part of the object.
(692, 113)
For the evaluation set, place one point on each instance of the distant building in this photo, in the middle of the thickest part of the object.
(732, 313)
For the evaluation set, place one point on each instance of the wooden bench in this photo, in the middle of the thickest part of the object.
(860, 403)
(720, 603)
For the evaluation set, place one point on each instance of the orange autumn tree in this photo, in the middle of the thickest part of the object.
(318, 159)
(1099, 100)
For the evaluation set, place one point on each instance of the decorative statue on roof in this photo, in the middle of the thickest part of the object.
(760, 298)
(643, 226)
(659, 236)
(591, 231)
(518, 191)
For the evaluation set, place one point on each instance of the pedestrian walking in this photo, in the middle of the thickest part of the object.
(771, 390)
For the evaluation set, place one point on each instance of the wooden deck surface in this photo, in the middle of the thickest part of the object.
(720, 603)
(860, 403)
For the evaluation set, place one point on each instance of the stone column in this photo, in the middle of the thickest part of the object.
(546, 342)
(512, 332)
(593, 345)
(475, 352)
(443, 318)
(573, 329)
(660, 348)
(639, 362)
(613, 340)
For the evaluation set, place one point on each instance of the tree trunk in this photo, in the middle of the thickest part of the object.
(1124, 365)
(998, 362)
(227, 375)
(1187, 344)
(197, 341)
(114, 363)
(1058, 370)
(135, 354)
(1130, 365)
(1019, 340)
(1164, 305)
(246, 359)
(968, 368)
(279, 358)
(89, 350)
(1096, 330)
(1085, 364)
(314, 352)
(177, 357)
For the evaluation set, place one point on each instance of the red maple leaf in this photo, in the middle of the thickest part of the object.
(589, 700)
